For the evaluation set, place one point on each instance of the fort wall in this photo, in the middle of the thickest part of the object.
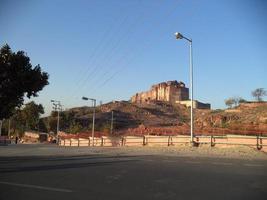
(171, 91)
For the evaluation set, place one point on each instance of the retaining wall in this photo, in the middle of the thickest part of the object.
(258, 142)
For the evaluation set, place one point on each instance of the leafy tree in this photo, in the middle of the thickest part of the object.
(43, 125)
(17, 79)
(28, 117)
(229, 102)
(32, 113)
(67, 118)
(241, 100)
(52, 124)
(234, 101)
(238, 100)
(259, 93)
(75, 127)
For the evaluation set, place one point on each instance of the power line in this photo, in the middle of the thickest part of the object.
(108, 43)
(134, 25)
(123, 67)
(115, 46)
(122, 59)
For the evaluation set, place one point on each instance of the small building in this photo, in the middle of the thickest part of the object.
(196, 104)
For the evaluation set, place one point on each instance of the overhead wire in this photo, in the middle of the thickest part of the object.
(102, 84)
(130, 33)
(105, 40)
(93, 57)
(113, 49)
(123, 66)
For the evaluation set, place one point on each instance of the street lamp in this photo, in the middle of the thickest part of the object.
(180, 36)
(57, 107)
(93, 127)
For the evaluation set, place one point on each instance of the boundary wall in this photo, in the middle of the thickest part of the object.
(258, 142)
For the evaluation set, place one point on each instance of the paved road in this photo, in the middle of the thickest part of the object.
(128, 177)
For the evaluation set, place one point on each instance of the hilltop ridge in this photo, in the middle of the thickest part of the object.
(161, 118)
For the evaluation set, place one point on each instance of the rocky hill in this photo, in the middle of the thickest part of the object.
(246, 118)
(128, 115)
(161, 118)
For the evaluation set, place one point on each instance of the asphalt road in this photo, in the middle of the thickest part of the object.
(127, 177)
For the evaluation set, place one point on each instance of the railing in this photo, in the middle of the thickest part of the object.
(4, 140)
(257, 141)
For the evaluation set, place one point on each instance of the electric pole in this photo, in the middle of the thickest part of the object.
(9, 128)
(57, 107)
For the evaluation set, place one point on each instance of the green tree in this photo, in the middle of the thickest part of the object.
(18, 78)
(229, 102)
(259, 93)
(241, 100)
(75, 127)
(32, 113)
(52, 123)
(28, 117)
(234, 101)
(238, 100)
(43, 125)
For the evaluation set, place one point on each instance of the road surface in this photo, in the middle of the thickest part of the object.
(116, 176)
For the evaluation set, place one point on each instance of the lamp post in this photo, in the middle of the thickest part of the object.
(57, 107)
(111, 124)
(180, 36)
(93, 127)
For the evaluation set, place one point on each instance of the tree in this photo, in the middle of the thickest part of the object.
(31, 113)
(229, 102)
(43, 125)
(234, 101)
(75, 127)
(28, 117)
(238, 100)
(52, 122)
(259, 93)
(241, 100)
(17, 79)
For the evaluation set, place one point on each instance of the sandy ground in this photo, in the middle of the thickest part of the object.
(231, 151)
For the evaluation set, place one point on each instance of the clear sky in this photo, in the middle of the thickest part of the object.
(111, 49)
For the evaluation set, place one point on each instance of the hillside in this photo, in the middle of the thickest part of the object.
(128, 115)
(246, 118)
(161, 118)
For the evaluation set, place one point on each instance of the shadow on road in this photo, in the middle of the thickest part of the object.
(12, 164)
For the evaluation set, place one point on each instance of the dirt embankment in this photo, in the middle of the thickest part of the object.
(159, 118)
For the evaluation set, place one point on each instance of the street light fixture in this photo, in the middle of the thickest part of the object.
(93, 127)
(180, 36)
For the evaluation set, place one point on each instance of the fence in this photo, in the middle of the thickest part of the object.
(259, 142)
(4, 140)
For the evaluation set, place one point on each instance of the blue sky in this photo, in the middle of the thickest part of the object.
(111, 49)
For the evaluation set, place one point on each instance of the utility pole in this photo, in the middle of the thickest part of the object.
(57, 107)
(111, 124)
(9, 127)
(1, 123)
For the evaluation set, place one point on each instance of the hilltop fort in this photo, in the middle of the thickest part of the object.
(173, 92)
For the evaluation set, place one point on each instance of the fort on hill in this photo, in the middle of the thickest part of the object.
(173, 92)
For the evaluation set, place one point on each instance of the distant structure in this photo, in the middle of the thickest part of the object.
(171, 91)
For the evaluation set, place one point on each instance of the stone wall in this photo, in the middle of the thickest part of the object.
(196, 104)
(170, 91)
